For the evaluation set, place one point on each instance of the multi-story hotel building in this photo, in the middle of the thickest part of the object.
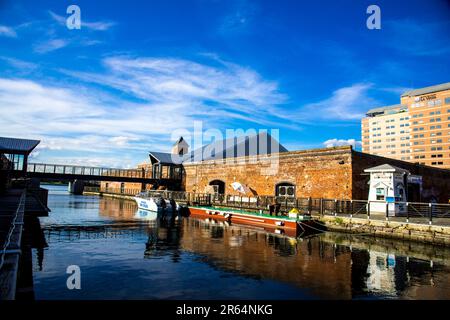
(416, 130)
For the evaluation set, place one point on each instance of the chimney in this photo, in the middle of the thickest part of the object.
(180, 147)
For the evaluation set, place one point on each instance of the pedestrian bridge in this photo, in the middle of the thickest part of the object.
(75, 172)
(14, 154)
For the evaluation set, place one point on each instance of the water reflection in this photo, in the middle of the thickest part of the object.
(164, 235)
(197, 256)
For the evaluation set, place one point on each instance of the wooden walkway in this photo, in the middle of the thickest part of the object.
(14, 205)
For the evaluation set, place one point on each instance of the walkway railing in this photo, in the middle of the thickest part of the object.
(17, 220)
(57, 169)
(410, 212)
(88, 171)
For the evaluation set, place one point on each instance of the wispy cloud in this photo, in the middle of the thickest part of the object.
(345, 104)
(50, 45)
(223, 90)
(156, 97)
(396, 90)
(23, 66)
(7, 32)
(94, 25)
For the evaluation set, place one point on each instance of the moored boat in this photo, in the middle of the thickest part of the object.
(280, 224)
(155, 203)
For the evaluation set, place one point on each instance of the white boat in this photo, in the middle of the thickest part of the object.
(154, 203)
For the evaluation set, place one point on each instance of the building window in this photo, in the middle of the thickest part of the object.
(380, 193)
(447, 101)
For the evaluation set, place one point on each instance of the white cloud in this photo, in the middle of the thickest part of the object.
(20, 64)
(345, 104)
(98, 26)
(122, 141)
(342, 142)
(7, 32)
(79, 122)
(221, 90)
(50, 45)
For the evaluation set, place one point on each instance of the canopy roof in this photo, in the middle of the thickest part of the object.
(386, 168)
(17, 146)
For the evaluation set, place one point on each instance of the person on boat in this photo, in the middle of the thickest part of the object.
(162, 202)
(173, 204)
(273, 207)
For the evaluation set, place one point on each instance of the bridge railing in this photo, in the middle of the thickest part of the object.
(87, 171)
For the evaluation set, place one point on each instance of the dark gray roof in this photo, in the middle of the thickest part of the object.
(258, 144)
(431, 89)
(15, 145)
(382, 110)
(165, 158)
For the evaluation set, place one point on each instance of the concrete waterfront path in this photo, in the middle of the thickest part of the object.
(15, 204)
(12, 209)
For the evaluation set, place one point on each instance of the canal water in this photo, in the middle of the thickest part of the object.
(124, 253)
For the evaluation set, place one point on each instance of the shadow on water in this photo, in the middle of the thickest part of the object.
(167, 257)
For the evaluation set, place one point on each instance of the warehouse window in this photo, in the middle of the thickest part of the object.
(285, 189)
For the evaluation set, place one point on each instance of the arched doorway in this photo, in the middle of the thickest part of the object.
(218, 186)
(285, 189)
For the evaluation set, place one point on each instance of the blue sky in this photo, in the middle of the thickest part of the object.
(137, 72)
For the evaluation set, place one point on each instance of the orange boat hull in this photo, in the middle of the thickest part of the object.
(271, 224)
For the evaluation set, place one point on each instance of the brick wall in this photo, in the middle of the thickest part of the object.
(316, 173)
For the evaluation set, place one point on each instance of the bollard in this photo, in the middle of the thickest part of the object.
(368, 210)
(335, 207)
(387, 211)
(430, 211)
(407, 212)
(351, 209)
